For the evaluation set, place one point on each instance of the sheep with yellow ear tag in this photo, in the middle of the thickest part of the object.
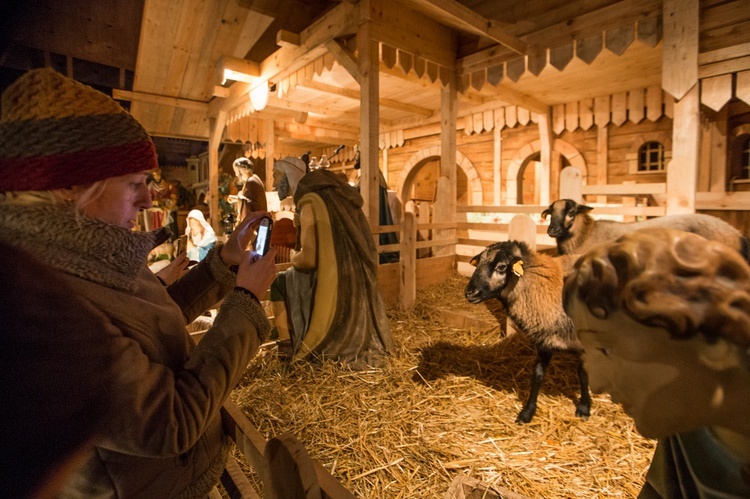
(529, 286)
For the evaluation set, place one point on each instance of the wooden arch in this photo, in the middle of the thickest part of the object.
(566, 149)
(429, 153)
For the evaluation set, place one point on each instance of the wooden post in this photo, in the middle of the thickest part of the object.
(369, 70)
(682, 170)
(445, 202)
(216, 130)
(408, 258)
(270, 140)
(521, 228)
(545, 140)
(497, 154)
(570, 184)
(602, 159)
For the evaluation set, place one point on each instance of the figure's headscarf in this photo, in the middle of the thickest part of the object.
(293, 169)
(208, 231)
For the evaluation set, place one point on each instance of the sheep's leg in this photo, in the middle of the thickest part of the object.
(583, 409)
(542, 361)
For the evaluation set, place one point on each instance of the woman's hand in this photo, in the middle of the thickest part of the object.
(176, 269)
(233, 250)
(256, 273)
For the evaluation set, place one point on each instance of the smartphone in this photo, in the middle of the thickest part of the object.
(263, 239)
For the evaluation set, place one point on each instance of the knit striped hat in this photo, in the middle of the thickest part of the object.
(57, 133)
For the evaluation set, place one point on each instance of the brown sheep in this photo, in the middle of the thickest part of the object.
(576, 232)
(529, 285)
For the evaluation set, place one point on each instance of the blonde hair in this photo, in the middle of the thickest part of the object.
(87, 195)
(667, 278)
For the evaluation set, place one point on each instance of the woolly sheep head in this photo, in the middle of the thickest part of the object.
(497, 267)
(563, 212)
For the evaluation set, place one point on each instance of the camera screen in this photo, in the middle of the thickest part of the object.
(260, 241)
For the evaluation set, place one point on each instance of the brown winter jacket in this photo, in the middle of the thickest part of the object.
(167, 439)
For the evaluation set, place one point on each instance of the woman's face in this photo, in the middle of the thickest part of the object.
(121, 200)
(659, 381)
(195, 226)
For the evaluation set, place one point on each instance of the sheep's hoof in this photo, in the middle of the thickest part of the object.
(583, 412)
(525, 416)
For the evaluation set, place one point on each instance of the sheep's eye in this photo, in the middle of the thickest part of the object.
(501, 268)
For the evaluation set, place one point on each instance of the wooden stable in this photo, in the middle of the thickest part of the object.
(472, 110)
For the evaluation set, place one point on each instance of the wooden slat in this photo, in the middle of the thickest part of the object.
(571, 116)
(619, 108)
(624, 189)
(636, 105)
(722, 201)
(602, 110)
(743, 86)
(724, 67)
(586, 113)
(654, 103)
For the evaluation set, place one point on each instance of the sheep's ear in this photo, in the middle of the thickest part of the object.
(475, 260)
(545, 214)
(584, 209)
(518, 267)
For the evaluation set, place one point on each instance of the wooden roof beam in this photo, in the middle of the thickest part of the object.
(459, 16)
(164, 100)
(355, 95)
(316, 134)
(341, 20)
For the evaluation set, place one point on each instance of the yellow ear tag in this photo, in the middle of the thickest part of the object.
(518, 268)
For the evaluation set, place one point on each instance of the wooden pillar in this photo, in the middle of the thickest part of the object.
(408, 258)
(369, 115)
(680, 80)
(545, 141)
(497, 154)
(602, 159)
(216, 130)
(682, 170)
(270, 141)
(445, 201)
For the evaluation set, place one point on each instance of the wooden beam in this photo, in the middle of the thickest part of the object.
(354, 94)
(458, 15)
(339, 21)
(345, 57)
(368, 59)
(286, 38)
(164, 100)
(236, 69)
(316, 134)
(679, 70)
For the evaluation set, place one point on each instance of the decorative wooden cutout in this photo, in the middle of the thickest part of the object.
(514, 68)
(679, 71)
(586, 113)
(432, 71)
(388, 55)
(668, 105)
(558, 118)
(619, 108)
(419, 66)
(650, 31)
(328, 61)
(500, 118)
(537, 60)
(478, 79)
(636, 105)
(524, 116)
(495, 75)
(571, 116)
(405, 61)
(602, 111)
(468, 124)
(463, 82)
(478, 122)
(654, 103)
(588, 48)
(716, 91)
(559, 57)
(488, 121)
(511, 116)
(618, 40)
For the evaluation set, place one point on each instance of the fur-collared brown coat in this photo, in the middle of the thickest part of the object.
(167, 440)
